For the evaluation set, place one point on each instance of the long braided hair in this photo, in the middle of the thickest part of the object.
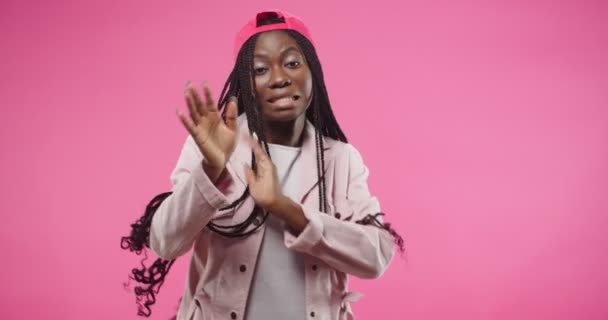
(238, 84)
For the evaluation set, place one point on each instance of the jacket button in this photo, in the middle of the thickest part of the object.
(257, 221)
(233, 315)
(314, 267)
(312, 314)
(337, 215)
(243, 268)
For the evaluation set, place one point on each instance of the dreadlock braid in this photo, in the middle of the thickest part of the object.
(240, 84)
(325, 123)
(151, 278)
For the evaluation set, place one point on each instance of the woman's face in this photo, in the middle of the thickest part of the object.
(283, 82)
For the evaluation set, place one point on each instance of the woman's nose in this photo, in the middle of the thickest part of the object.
(279, 78)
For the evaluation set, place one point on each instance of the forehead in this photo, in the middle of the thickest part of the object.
(272, 43)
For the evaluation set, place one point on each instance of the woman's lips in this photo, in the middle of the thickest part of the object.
(284, 102)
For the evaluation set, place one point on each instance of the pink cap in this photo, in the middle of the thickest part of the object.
(291, 23)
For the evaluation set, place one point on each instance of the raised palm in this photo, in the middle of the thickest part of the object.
(215, 138)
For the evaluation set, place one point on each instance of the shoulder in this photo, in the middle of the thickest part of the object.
(342, 151)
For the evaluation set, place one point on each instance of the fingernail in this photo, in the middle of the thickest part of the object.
(205, 83)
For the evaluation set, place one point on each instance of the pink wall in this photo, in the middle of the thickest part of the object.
(484, 125)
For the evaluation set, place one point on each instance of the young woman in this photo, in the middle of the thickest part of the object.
(276, 222)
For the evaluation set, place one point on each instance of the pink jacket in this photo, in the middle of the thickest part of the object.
(221, 269)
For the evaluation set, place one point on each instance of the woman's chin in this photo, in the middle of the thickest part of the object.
(283, 115)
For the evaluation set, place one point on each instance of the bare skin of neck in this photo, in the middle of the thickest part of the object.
(285, 133)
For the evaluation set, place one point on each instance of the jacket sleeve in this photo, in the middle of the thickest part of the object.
(364, 251)
(183, 214)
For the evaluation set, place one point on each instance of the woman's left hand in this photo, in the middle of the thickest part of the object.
(263, 187)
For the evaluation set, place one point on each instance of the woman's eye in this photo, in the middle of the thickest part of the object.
(293, 64)
(259, 70)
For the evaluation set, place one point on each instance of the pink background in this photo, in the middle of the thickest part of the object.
(484, 126)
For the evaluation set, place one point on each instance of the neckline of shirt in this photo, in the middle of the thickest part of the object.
(280, 146)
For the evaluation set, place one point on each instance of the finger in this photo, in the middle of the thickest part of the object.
(186, 122)
(231, 113)
(194, 114)
(198, 103)
(259, 153)
(260, 146)
(209, 103)
(263, 162)
(249, 175)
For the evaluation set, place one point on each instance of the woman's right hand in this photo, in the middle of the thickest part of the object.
(215, 138)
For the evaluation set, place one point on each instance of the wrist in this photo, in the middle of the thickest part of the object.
(290, 212)
(213, 172)
(278, 205)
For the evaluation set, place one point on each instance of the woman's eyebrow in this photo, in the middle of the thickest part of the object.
(284, 52)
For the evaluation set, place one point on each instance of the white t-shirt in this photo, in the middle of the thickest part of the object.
(277, 291)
